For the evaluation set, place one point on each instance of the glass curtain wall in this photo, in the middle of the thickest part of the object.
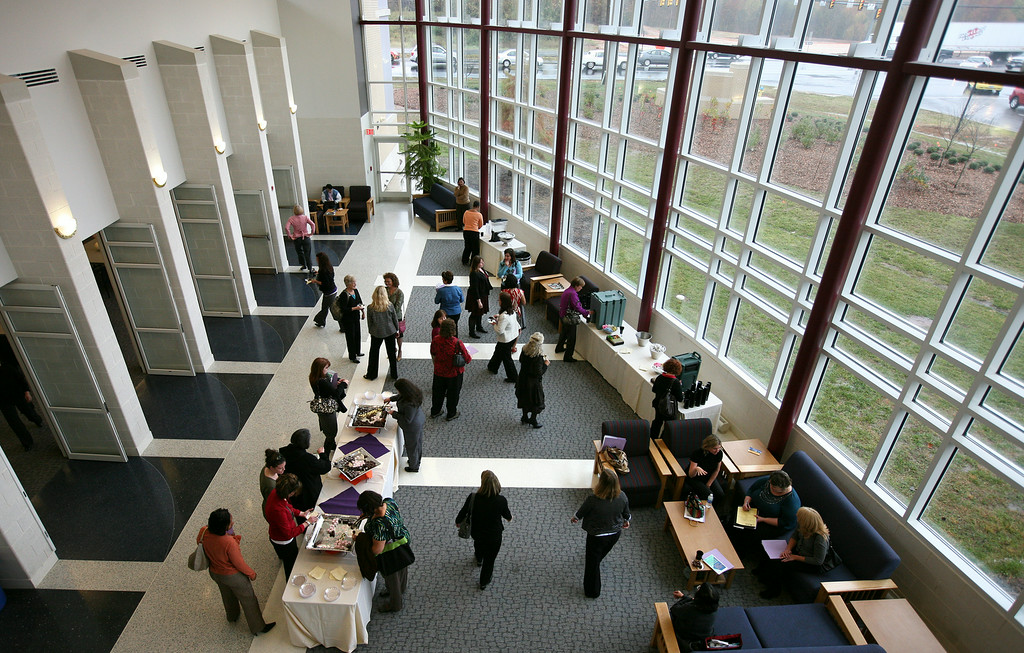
(919, 386)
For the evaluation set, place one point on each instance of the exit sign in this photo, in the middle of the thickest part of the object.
(369, 132)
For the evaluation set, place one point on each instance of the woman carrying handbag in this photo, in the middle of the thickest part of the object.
(390, 543)
(328, 393)
(484, 509)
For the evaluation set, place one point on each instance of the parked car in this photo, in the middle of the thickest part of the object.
(655, 57)
(594, 60)
(977, 61)
(723, 56)
(438, 58)
(507, 58)
(1016, 98)
(1015, 64)
(987, 87)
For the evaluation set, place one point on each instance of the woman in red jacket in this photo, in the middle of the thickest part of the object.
(447, 377)
(281, 516)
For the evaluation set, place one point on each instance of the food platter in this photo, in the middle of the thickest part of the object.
(333, 533)
(355, 464)
(369, 418)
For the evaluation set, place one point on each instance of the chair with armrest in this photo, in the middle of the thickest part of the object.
(548, 266)
(648, 473)
(555, 303)
(360, 203)
(680, 437)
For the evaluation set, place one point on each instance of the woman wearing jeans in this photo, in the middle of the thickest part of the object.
(604, 513)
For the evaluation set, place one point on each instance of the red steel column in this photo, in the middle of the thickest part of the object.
(422, 55)
(892, 104)
(565, 73)
(485, 105)
(677, 114)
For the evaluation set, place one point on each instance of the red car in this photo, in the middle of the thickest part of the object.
(1016, 98)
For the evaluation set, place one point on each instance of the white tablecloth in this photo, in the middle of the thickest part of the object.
(493, 253)
(341, 623)
(628, 369)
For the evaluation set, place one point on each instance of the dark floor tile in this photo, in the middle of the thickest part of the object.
(199, 407)
(287, 327)
(248, 338)
(285, 289)
(123, 511)
(335, 249)
(247, 390)
(65, 620)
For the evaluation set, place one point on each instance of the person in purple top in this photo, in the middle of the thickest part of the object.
(570, 304)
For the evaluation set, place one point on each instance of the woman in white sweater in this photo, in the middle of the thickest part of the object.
(507, 327)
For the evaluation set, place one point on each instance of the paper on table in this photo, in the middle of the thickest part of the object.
(774, 548)
(317, 572)
(338, 573)
(746, 518)
(717, 562)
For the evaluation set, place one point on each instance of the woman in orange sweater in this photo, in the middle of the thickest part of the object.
(228, 569)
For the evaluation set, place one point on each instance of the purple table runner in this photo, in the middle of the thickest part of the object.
(373, 446)
(342, 504)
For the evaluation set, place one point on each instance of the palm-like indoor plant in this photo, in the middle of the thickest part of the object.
(422, 164)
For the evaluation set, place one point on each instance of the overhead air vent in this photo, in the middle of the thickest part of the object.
(201, 48)
(139, 60)
(38, 77)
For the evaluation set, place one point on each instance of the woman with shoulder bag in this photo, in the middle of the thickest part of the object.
(485, 509)
(450, 358)
(390, 543)
(325, 280)
(229, 570)
(664, 384)
(571, 312)
(328, 393)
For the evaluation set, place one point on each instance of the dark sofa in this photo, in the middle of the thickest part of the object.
(437, 208)
(865, 555)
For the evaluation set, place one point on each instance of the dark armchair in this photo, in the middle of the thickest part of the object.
(648, 473)
(680, 437)
(547, 266)
(360, 203)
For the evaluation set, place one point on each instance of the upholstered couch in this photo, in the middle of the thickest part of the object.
(865, 555)
(803, 628)
(644, 485)
(437, 207)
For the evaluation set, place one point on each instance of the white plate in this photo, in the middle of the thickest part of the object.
(298, 579)
(385, 396)
(332, 593)
(348, 582)
(307, 590)
(369, 395)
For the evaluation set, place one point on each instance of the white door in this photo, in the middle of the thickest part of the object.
(389, 158)
(206, 249)
(51, 353)
(146, 295)
(252, 217)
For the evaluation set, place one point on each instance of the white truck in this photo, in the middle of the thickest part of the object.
(997, 40)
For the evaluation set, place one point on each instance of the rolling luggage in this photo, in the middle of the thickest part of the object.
(608, 307)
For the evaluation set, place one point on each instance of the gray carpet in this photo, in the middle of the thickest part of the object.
(441, 255)
(577, 398)
(535, 600)
(420, 307)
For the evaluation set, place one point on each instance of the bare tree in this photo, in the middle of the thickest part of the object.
(973, 135)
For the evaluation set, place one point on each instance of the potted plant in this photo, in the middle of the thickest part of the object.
(422, 154)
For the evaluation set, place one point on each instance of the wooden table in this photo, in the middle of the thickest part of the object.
(896, 626)
(691, 537)
(546, 286)
(336, 218)
(740, 463)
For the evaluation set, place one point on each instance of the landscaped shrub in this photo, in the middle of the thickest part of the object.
(974, 165)
(805, 131)
(911, 173)
(989, 169)
(963, 158)
(933, 149)
(936, 156)
(997, 166)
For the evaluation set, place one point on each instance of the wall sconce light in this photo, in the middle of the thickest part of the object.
(220, 146)
(262, 124)
(293, 107)
(66, 226)
(160, 179)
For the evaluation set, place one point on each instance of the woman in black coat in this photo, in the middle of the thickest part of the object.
(666, 382)
(328, 385)
(325, 280)
(307, 467)
(693, 617)
(477, 297)
(530, 386)
(485, 508)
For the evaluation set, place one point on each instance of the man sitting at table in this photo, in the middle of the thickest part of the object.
(330, 197)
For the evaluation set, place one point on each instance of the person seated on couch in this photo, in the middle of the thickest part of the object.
(809, 551)
(776, 502)
(693, 617)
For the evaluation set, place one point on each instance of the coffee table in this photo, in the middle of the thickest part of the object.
(741, 463)
(546, 286)
(691, 537)
(896, 626)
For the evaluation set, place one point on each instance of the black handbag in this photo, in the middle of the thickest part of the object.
(324, 405)
(572, 318)
(466, 527)
(458, 360)
(396, 559)
(667, 406)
